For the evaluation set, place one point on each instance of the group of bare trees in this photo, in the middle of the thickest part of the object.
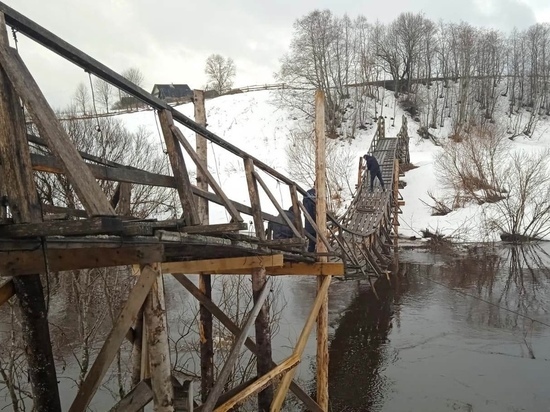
(350, 58)
(98, 96)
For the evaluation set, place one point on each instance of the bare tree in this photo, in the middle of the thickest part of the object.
(82, 98)
(103, 93)
(221, 72)
(134, 75)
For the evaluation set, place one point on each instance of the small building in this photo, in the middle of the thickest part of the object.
(173, 92)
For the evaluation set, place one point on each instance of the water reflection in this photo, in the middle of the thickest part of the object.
(464, 331)
(358, 352)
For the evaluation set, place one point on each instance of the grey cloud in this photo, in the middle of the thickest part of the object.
(170, 40)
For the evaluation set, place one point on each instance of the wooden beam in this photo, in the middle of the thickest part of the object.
(138, 398)
(235, 330)
(18, 186)
(263, 337)
(206, 333)
(27, 262)
(232, 358)
(321, 247)
(51, 165)
(7, 290)
(90, 194)
(296, 209)
(230, 393)
(295, 269)
(254, 198)
(301, 344)
(226, 264)
(154, 314)
(277, 205)
(127, 316)
(205, 173)
(63, 210)
(263, 381)
(179, 169)
(85, 227)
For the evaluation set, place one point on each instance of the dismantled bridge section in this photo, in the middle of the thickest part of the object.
(40, 237)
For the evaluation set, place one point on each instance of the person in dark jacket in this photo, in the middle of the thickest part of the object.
(310, 205)
(374, 169)
(282, 231)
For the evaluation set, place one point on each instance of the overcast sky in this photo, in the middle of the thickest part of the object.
(169, 40)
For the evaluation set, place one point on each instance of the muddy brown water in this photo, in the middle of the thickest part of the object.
(456, 331)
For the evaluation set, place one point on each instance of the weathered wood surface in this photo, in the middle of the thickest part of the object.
(17, 184)
(236, 216)
(263, 336)
(127, 316)
(235, 330)
(181, 175)
(296, 269)
(15, 263)
(206, 333)
(232, 358)
(301, 344)
(90, 194)
(136, 399)
(224, 265)
(7, 291)
(254, 198)
(51, 165)
(277, 205)
(321, 220)
(92, 226)
(260, 384)
(156, 322)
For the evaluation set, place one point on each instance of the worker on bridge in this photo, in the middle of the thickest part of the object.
(374, 169)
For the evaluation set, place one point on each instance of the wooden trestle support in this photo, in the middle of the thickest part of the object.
(37, 239)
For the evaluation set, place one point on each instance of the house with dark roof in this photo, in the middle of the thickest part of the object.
(173, 92)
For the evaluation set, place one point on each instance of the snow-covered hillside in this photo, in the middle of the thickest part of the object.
(252, 122)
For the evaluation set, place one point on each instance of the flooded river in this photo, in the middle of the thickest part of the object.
(464, 330)
(467, 332)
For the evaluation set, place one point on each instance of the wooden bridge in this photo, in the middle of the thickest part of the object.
(39, 238)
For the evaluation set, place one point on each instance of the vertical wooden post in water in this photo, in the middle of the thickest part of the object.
(205, 280)
(395, 195)
(18, 182)
(263, 339)
(158, 346)
(321, 219)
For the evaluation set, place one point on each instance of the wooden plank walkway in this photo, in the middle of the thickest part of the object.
(364, 216)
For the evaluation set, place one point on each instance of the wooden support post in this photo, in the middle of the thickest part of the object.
(263, 337)
(254, 198)
(18, 185)
(301, 344)
(260, 383)
(235, 350)
(127, 316)
(89, 192)
(181, 176)
(236, 330)
(204, 170)
(296, 209)
(205, 280)
(396, 207)
(159, 350)
(321, 220)
(277, 205)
